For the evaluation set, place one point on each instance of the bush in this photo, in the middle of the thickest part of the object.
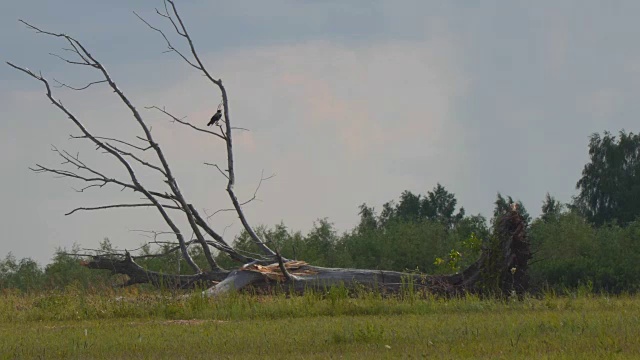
(568, 252)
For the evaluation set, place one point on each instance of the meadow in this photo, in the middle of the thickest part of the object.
(130, 323)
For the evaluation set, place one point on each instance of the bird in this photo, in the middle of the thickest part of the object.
(215, 118)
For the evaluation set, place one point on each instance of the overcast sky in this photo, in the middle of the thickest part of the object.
(347, 102)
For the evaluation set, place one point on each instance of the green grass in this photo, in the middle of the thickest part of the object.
(73, 324)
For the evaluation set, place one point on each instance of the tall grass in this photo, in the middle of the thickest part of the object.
(75, 304)
(134, 324)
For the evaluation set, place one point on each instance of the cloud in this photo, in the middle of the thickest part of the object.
(345, 107)
(358, 97)
(327, 118)
(331, 120)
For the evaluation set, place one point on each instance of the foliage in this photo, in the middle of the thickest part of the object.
(609, 188)
(318, 246)
(400, 245)
(438, 205)
(25, 274)
(65, 270)
(551, 209)
(452, 262)
(570, 251)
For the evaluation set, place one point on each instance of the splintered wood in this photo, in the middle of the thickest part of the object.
(273, 271)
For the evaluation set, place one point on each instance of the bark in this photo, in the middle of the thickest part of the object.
(138, 275)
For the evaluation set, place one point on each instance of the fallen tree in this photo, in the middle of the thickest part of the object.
(501, 267)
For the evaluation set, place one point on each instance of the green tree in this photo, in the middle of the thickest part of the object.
(571, 251)
(409, 207)
(387, 214)
(551, 209)
(368, 219)
(473, 224)
(66, 269)
(610, 183)
(25, 274)
(320, 244)
(440, 205)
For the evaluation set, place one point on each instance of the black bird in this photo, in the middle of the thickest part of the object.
(215, 118)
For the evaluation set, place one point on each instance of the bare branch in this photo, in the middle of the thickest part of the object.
(167, 16)
(170, 180)
(114, 140)
(78, 53)
(253, 198)
(121, 206)
(262, 178)
(196, 231)
(209, 216)
(96, 179)
(65, 173)
(171, 48)
(74, 44)
(136, 184)
(175, 119)
(185, 34)
(102, 180)
(155, 233)
(75, 161)
(217, 167)
(71, 61)
(286, 274)
(227, 133)
(61, 84)
(138, 274)
(133, 156)
(226, 228)
(221, 244)
(88, 187)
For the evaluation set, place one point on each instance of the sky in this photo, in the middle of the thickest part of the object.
(347, 102)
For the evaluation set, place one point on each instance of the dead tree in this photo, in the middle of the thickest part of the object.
(502, 266)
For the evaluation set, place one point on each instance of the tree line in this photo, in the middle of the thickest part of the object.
(592, 241)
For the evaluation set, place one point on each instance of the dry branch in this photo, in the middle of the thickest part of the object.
(180, 28)
(120, 206)
(136, 274)
(181, 121)
(89, 59)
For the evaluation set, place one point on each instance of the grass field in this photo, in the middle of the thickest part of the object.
(74, 324)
